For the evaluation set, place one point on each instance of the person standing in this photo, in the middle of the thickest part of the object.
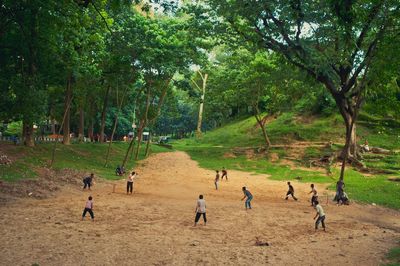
(290, 192)
(87, 181)
(129, 182)
(88, 208)
(314, 197)
(216, 181)
(200, 210)
(320, 214)
(224, 174)
(249, 197)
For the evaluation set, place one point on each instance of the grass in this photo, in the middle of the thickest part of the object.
(87, 157)
(394, 257)
(214, 150)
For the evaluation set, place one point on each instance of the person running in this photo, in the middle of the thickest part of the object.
(224, 173)
(88, 208)
(320, 214)
(200, 210)
(87, 181)
(314, 197)
(290, 192)
(129, 183)
(216, 181)
(249, 196)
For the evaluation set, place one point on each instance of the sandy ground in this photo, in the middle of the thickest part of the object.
(154, 226)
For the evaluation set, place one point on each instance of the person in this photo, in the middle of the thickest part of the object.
(88, 208)
(314, 197)
(119, 170)
(339, 192)
(129, 183)
(200, 210)
(216, 179)
(87, 181)
(224, 173)
(249, 196)
(320, 214)
(290, 192)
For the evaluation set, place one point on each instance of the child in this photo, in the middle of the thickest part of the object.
(88, 208)
(249, 198)
(216, 179)
(129, 183)
(200, 210)
(320, 214)
(87, 181)
(290, 192)
(224, 173)
(314, 197)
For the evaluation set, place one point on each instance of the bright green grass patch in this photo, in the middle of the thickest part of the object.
(394, 257)
(89, 157)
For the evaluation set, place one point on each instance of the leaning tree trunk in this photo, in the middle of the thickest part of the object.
(67, 111)
(201, 107)
(103, 115)
(261, 123)
(28, 134)
(348, 113)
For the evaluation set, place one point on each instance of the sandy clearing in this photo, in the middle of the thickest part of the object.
(154, 226)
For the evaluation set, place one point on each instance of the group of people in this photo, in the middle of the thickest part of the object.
(200, 209)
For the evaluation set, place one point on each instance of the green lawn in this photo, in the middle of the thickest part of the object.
(89, 157)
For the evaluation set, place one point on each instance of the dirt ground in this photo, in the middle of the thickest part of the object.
(154, 226)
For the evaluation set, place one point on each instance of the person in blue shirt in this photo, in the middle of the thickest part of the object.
(249, 197)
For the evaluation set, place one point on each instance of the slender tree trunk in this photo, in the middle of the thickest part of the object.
(140, 135)
(103, 115)
(264, 131)
(53, 126)
(201, 107)
(350, 148)
(131, 146)
(90, 130)
(28, 137)
(147, 145)
(81, 133)
(67, 111)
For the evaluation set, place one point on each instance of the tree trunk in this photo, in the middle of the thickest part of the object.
(53, 126)
(81, 133)
(201, 107)
(67, 111)
(131, 145)
(146, 153)
(350, 147)
(264, 131)
(103, 115)
(28, 134)
(139, 136)
(90, 130)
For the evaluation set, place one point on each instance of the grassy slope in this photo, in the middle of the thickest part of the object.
(87, 157)
(212, 149)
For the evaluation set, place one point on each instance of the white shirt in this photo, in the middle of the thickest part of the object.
(201, 206)
(320, 210)
(131, 177)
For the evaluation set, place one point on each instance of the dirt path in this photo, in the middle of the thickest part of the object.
(154, 226)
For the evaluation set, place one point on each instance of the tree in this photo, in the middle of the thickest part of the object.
(336, 42)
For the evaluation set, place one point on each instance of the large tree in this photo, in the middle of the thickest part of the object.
(336, 42)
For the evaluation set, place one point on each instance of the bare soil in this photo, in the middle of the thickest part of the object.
(154, 226)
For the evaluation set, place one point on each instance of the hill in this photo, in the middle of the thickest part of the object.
(298, 142)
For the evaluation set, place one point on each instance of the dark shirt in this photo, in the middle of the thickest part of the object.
(247, 193)
(291, 189)
(88, 179)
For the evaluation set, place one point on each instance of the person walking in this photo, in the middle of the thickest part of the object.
(200, 210)
(88, 208)
(249, 197)
(290, 192)
(216, 181)
(129, 182)
(320, 214)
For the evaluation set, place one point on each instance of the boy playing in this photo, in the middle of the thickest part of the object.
(88, 208)
(224, 173)
(200, 210)
(314, 197)
(216, 180)
(320, 214)
(129, 183)
(290, 192)
(87, 181)
(249, 196)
